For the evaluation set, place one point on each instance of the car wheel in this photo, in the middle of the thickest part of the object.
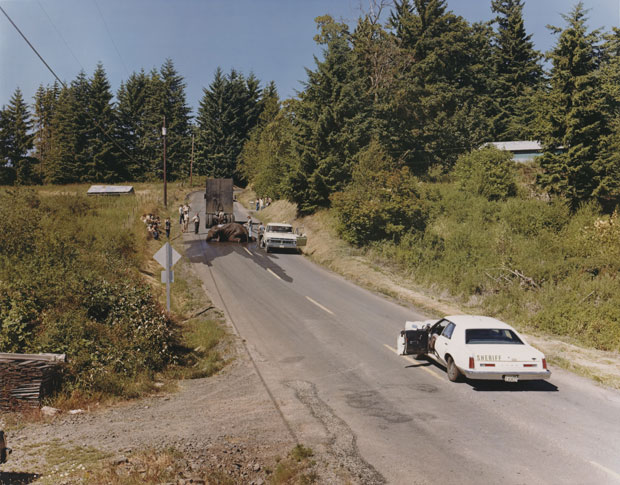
(453, 373)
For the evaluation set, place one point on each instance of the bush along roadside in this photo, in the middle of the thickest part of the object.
(70, 282)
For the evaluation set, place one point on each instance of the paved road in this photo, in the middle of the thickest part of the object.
(325, 349)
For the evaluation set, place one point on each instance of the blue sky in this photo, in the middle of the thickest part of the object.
(271, 38)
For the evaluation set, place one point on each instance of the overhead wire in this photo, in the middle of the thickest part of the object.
(64, 85)
(105, 24)
(60, 35)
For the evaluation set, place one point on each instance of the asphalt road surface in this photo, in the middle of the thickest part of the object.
(325, 349)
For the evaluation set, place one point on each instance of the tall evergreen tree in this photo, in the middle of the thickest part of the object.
(178, 119)
(517, 73)
(575, 118)
(63, 166)
(101, 162)
(16, 141)
(442, 103)
(130, 115)
(332, 119)
(607, 165)
(229, 109)
(44, 107)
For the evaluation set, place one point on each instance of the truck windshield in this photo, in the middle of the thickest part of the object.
(279, 229)
(475, 336)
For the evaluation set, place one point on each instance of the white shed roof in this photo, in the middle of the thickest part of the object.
(110, 189)
(517, 146)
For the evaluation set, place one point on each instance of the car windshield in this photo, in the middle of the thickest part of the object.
(280, 229)
(475, 336)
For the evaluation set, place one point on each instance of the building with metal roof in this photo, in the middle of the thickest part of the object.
(522, 151)
(110, 190)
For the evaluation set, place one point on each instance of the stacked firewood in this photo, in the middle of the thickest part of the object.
(26, 378)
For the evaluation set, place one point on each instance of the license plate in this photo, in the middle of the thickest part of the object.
(511, 378)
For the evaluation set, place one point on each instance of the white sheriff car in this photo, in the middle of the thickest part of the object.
(279, 235)
(475, 347)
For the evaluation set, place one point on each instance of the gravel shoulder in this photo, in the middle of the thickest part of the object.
(224, 423)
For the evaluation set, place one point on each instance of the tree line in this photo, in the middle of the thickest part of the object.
(79, 133)
(415, 91)
(426, 87)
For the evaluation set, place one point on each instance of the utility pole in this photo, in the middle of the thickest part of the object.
(191, 165)
(163, 132)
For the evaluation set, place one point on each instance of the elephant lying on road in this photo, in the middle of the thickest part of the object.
(228, 232)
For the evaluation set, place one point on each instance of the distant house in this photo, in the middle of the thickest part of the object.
(522, 151)
(110, 190)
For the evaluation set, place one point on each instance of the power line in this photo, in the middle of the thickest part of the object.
(61, 36)
(65, 86)
(32, 47)
(111, 38)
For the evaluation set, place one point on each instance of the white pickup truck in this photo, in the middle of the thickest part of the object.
(279, 235)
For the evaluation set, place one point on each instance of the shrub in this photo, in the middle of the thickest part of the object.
(488, 172)
(382, 201)
(68, 285)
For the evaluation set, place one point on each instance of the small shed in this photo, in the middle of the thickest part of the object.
(522, 151)
(26, 378)
(110, 190)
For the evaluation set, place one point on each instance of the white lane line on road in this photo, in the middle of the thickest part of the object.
(319, 305)
(605, 469)
(274, 274)
(248, 251)
(409, 359)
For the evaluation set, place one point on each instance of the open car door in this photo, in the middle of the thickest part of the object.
(412, 342)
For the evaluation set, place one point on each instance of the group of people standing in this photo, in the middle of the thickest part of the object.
(184, 219)
(153, 224)
(258, 234)
(261, 203)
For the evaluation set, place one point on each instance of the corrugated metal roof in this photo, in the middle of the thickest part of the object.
(110, 189)
(517, 146)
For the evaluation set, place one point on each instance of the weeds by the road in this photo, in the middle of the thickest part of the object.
(297, 467)
(77, 277)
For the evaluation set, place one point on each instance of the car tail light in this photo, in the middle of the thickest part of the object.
(544, 363)
(471, 362)
(529, 365)
(487, 365)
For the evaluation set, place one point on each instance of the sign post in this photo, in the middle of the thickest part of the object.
(167, 257)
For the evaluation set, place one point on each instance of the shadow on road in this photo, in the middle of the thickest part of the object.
(522, 386)
(16, 478)
(194, 252)
(422, 363)
(501, 386)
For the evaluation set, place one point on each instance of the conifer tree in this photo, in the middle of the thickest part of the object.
(607, 165)
(442, 102)
(517, 73)
(178, 137)
(63, 166)
(575, 112)
(16, 141)
(130, 115)
(101, 161)
(44, 107)
(229, 109)
(332, 119)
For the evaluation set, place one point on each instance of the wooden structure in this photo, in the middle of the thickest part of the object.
(26, 378)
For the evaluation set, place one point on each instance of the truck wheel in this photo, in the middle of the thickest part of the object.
(453, 373)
